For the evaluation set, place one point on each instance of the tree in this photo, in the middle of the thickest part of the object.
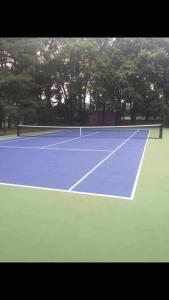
(17, 79)
(46, 80)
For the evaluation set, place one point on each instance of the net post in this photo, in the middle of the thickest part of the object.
(161, 131)
(17, 130)
(80, 131)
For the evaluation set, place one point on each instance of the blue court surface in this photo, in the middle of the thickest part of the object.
(97, 165)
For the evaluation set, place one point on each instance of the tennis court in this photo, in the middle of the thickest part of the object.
(100, 161)
(74, 187)
(49, 225)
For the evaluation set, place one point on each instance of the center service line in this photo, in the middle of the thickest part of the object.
(79, 137)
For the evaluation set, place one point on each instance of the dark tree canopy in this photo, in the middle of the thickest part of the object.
(62, 80)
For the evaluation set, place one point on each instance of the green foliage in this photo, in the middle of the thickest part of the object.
(47, 79)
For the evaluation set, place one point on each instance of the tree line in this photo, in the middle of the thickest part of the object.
(63, 80)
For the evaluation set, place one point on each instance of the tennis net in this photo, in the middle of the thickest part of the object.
(135, 131)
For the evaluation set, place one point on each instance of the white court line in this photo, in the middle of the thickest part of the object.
(18, 139)
(12, 140)
(139, 169)
(78, 149)
(79, 137)
(66, 191)
(85, 193)
(64, 149)
(27, 137)
(101, 162)
(43, 147)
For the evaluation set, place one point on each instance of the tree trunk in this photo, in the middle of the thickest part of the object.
(48, 95)
(70, 112)
(84, 110)
(9, 123)
(1, 127)
(80, 111)
(133, 113)
(118, 117)
(147, 115)
(103, 114)
(133, 117)
(66, 111)
(90, 108)
(90, 100)
(4, 126)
